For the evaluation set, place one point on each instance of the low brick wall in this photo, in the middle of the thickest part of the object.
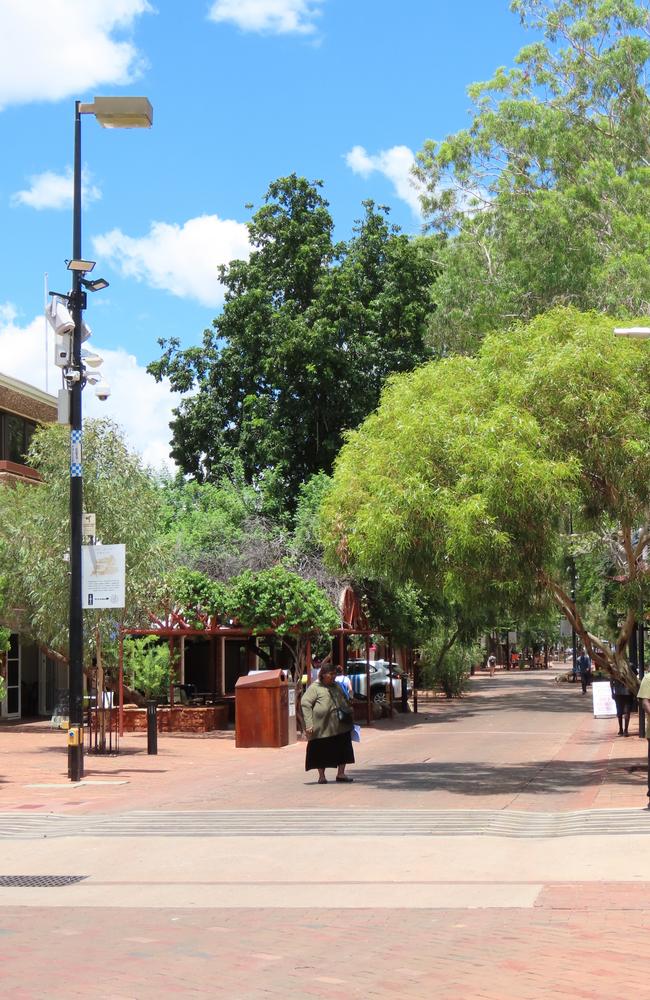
(183, 719)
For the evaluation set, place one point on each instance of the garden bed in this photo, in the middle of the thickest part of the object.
(180, 719)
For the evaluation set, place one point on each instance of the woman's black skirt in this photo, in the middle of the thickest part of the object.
(329, 752)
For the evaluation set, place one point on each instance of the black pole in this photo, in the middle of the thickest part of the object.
(75, 744)
(152, 726)
(574, 652)
(641, 671)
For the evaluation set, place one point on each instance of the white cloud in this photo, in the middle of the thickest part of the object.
(182, 260)
(396, 165)
(139, 405)
(62, 48)
(277, 17)
(50, 190)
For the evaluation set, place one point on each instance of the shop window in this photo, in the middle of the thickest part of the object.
(15, 435)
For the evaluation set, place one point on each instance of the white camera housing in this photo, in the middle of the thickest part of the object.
(103, 391)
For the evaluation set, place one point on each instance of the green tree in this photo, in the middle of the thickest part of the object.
(545, 198)
(148, 666)
(279, 600)
(471, 466)
(308, 333)
(34, 534)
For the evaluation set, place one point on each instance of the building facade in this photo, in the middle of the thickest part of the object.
(33, 679)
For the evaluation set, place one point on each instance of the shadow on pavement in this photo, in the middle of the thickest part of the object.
(479, 778)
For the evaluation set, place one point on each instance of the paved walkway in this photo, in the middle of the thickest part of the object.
(495, 847)
(517, 742)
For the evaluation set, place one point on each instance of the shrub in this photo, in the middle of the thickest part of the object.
(147, 666)
(449, 673)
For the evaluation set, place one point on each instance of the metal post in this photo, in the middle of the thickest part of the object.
(641, 668)
(120, 670)
(75, 658)
(415, 663)
(368, 703)
(572, 565)
(152, 726)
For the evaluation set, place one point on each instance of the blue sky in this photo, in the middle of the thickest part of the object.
(243, 91)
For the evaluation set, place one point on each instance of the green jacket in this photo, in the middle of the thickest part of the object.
(319, 704)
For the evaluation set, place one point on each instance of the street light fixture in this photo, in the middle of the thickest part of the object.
(110, 112)
(83, 266)
(94, 286)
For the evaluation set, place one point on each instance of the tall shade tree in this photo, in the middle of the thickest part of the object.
(545, 198)
(308, 333)
(34, 534)
(463, 480)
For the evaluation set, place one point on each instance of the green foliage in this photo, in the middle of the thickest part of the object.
(148, 666)
(221, 528)
(447, 669)
(470, 467)
(35, 526)
(545, 198)
(197, 595)
(309, 331)
(280, 600)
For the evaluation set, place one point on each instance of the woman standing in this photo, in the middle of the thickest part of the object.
(328, 726)
(624, 700)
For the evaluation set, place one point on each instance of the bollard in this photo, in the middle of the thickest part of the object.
(405, 694)
(152, 727)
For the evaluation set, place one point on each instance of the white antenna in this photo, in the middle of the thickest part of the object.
(47, 389)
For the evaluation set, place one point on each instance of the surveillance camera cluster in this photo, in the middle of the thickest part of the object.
(60, 319)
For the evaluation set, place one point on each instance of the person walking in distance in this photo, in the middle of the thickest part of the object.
(492, 664)
(623, 700)
(584, 669)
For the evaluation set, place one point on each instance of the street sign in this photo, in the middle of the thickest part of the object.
(89, 526)
(103, 576)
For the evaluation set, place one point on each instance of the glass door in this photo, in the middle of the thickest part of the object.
(48, 683)
(11, 700)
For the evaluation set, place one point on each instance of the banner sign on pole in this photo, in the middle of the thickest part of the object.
(103, 573)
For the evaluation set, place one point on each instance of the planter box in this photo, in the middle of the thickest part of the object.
(181, 719)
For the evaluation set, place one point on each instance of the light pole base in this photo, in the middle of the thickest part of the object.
(75, 763)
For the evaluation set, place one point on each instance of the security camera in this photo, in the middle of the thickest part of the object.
(103, 391)
(93, 378)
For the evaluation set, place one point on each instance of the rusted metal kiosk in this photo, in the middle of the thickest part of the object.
(265, 710)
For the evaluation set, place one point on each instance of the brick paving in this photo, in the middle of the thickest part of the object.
(552, 951)
(517, 743)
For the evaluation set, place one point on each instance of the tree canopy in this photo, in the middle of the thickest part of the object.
(463, 480)
(35, 526)
(309, 331)
(545, 198)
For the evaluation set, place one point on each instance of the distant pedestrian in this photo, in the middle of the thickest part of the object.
(623, 699)
(492, 664)
(344, 683)
(584, 669)
(328, 726)
(643, 694)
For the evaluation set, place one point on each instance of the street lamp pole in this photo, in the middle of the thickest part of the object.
(77, 303)
(110, 112)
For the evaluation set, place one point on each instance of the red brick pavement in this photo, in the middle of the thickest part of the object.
(519, 742)
(549, 952)
(516, 742)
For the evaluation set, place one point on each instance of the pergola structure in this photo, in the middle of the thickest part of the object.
(177, 625)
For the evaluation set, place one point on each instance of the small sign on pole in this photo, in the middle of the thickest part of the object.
(89, 526)
(103, 574)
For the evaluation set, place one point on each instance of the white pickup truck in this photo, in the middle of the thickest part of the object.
(379, 679)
